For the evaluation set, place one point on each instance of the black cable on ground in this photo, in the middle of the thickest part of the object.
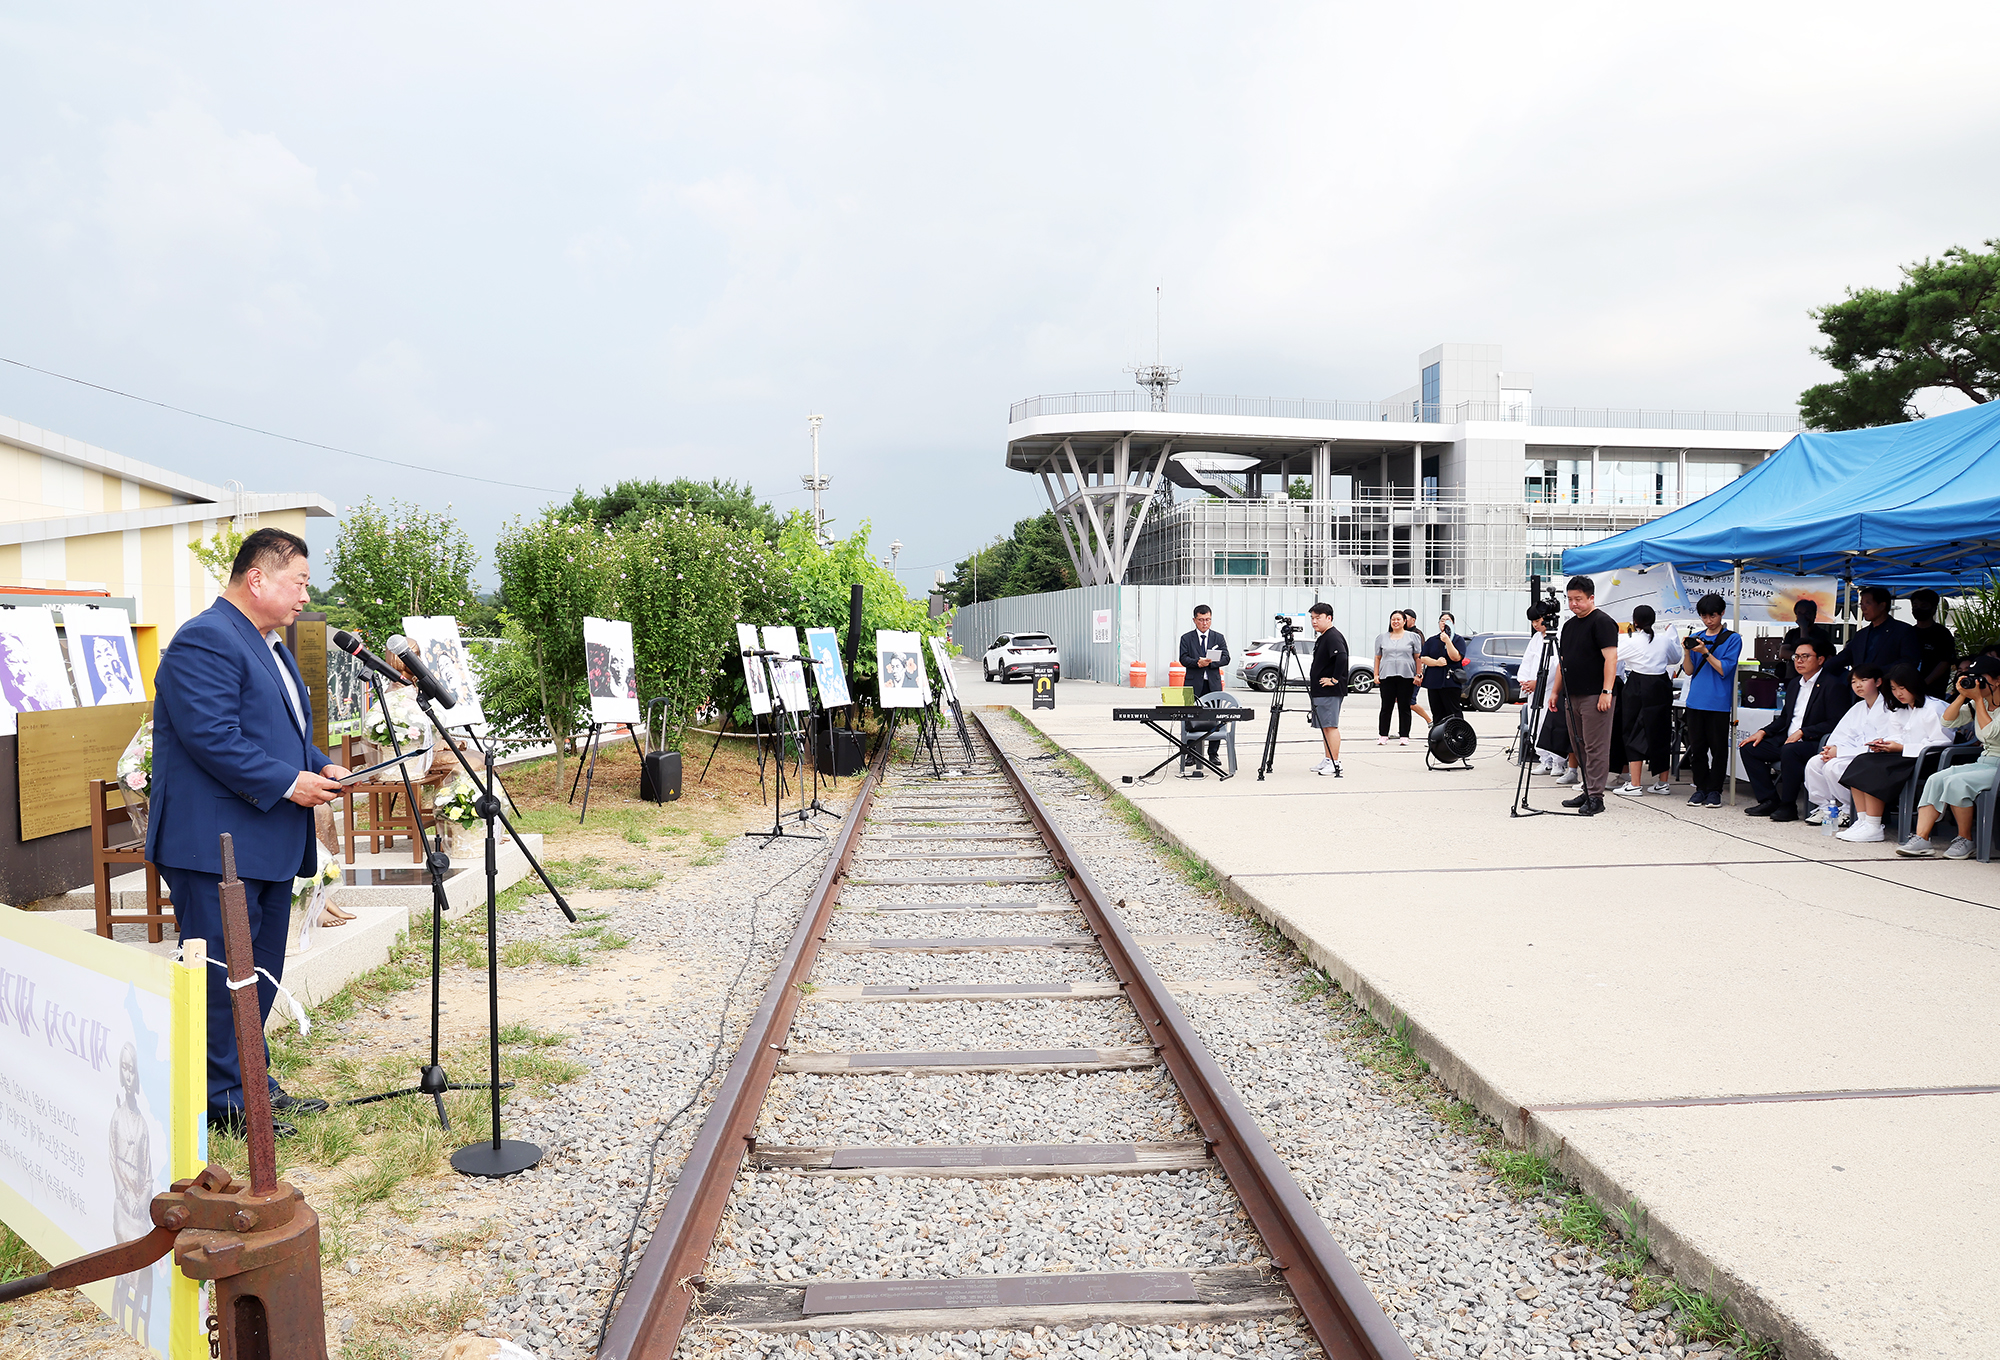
(653, 1152)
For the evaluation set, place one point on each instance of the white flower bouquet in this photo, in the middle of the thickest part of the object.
(135, 775)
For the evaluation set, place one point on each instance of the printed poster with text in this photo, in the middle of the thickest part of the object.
(102, 1104)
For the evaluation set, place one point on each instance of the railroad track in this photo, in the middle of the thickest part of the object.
(979, 847)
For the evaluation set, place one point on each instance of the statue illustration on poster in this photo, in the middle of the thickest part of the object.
(824, 645)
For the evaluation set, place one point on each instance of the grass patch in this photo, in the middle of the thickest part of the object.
(371, 1185)
(592, 873)
(17, 1258)
(417, 1313)
(521, 953)
(518, 1033)
(463, 1239)
(1527, 1174)
(374, 1349)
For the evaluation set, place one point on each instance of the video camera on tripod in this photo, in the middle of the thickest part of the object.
(1288, 631)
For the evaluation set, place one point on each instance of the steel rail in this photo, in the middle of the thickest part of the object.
(1344, 1316)
(648, 1323)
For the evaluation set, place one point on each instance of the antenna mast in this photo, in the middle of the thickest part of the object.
(816, 483)
(1156, 377)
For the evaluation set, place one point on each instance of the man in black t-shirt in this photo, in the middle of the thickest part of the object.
(1328, 679)
(1588, 651)
(1936, 647)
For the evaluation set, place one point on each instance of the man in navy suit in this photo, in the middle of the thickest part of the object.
(233, 751)
(1204, 672)
(1814, 701)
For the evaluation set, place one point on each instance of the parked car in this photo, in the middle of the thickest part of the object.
(1491, 679)
(1260, 665)
(1017, 654)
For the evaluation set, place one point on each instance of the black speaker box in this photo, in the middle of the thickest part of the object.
(660, 776)
(845, 755)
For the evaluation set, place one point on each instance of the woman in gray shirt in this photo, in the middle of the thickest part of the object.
(1395, 677)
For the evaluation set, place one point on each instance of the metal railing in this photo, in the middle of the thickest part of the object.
(1397, 539)
(1407, 412)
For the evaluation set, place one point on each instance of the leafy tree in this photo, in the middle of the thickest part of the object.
(817, 582)
(1299, 489)
(680, 583)
(633, 502)
(553, 572)
(218, 554)
(1030, 560)
(1941, 329)
(394, 560)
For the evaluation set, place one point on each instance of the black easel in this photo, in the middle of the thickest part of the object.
(590, 744)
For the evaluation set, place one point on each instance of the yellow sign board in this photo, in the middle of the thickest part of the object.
(61, 751)
(103, 1104)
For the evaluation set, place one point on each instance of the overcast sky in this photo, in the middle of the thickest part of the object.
(563, 245)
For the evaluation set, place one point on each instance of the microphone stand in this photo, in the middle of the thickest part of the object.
(431, 1079)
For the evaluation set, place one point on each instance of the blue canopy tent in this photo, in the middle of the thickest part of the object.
(1899, 505)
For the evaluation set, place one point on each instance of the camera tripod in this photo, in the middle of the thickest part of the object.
(1537, 707)
(1288, 630)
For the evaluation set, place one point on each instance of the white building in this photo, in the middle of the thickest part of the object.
(1460, 480)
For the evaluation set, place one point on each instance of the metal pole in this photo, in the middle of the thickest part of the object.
(1735, 687)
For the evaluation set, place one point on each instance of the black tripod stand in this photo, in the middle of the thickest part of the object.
(1285, 658)
(1537, 714)
(778, 813)
(431, 1079)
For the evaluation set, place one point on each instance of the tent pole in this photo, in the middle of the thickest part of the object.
(1735, 682)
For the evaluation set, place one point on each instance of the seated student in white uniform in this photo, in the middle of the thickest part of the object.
(1877, 778)
(1864, 722)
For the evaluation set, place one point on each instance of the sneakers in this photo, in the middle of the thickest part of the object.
(1697, 799)
(1662, 788)
(1571, 775)
(1628, 791)
(1381, 741)
(1916, 847)
(1960, 848)
(1331, 767)
(1864, 830)
(1591, 807)
(1403, 742)
(1817, 816)
(1325, 762)
(1580, 801)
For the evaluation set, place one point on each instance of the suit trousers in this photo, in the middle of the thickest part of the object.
(1777, 768)
(1590, 738)
(198, 902)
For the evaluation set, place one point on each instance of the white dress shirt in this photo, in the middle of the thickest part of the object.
(1806, 687)
(1641, 655)
(291, 695)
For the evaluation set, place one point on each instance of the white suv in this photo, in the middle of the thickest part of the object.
(1015, 654)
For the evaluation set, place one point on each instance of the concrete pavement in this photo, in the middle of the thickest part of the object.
(1651, 957)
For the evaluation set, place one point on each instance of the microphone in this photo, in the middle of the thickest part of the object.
(433, 688)
(762, 653)
(349, 643)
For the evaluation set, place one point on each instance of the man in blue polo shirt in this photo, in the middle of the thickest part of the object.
(1710, 663)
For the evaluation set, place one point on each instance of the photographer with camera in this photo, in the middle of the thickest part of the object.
(1329, 685)
(1959, 787)
(1441, 663)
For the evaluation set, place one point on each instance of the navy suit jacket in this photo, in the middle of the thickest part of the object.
(226, 747)
(1203, 679)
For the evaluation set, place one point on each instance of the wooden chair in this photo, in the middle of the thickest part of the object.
(115, 841)
(388, 813)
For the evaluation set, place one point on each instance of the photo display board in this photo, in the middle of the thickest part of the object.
(947, 683)
(443, 650)
(33, 678)
(610, 671)
(901, 677)
(788, 674)
(824, 646)
(347, 695)
(103, 656)
(104, 1100)
(753, 668)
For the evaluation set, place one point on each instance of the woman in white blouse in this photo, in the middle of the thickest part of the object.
(1863, 724)
(1647, 660)
(1915, 720)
